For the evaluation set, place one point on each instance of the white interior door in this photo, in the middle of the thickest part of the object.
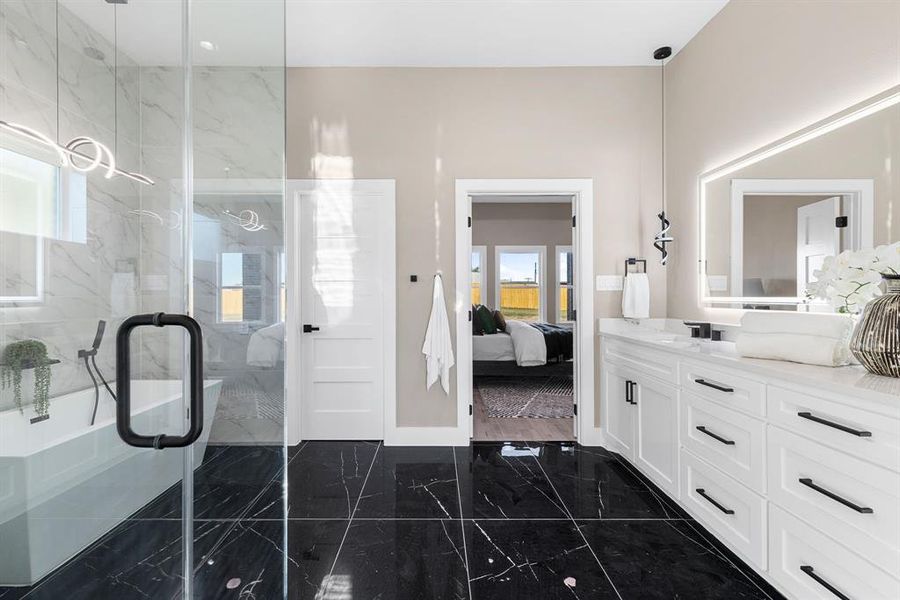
(346, 327)
(817, 238)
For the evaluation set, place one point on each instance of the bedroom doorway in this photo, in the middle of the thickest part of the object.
(519, 356)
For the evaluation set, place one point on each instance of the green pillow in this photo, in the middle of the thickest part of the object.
(476, 324)
(485, 318)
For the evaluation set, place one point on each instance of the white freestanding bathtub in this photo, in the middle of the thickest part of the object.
(65, 483)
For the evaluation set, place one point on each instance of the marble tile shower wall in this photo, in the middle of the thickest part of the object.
(130, 262)
(99, 100)
(238, 143)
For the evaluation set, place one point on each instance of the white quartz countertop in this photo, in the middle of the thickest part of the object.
(854, 380)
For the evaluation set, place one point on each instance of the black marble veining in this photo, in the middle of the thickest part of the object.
(504, 481)
(250, 561)
(402, 559)
(594, 484)
(667, 559)
(408, 482)
(532, 559)
(491, 521)
(324, 482)
(225, 485)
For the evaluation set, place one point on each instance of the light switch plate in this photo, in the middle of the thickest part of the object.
(609, 283)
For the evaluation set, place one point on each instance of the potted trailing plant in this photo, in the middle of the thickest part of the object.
(22, 355)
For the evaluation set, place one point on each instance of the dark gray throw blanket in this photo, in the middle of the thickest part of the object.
(559, 340)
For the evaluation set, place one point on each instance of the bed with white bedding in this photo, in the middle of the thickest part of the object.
(522, 342)
(498, 346)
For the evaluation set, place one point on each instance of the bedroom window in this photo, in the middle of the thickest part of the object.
(479, 268)
(520, 282)
(565, 300)
(240, 287)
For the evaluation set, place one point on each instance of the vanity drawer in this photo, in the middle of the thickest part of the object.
(853, 501)
(868, 435)
(662, 365)
(725, 386)
(804, 562)
(731, 441)
(727, 508)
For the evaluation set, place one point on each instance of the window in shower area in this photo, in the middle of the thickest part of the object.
(240, 287)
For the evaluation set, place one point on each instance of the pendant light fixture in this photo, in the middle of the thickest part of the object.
(663, 237)
(98, 155)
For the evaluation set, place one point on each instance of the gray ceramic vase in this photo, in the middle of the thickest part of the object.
(876, 341)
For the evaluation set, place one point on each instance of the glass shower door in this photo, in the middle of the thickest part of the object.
(141, 172)
(91, 233)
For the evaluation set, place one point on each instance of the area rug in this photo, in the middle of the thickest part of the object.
(528, 398)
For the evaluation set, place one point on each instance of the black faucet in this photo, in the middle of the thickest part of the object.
(704, 331)
(91, 355)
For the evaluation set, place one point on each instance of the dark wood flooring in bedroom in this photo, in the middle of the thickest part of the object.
(492, 429)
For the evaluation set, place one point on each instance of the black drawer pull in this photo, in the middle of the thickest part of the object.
(860, 509)
(812, 573)
(702, 492)
(629, 392)
(715, 386)
(703, 429)
(812, 417)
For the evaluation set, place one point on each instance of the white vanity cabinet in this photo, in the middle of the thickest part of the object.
(795, 468)
(641, 416)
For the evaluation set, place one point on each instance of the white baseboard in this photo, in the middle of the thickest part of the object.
(592, 437)
(427, 436)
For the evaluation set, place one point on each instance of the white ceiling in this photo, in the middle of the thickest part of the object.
(418, 33)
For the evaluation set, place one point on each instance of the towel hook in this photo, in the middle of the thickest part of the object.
(634, 261)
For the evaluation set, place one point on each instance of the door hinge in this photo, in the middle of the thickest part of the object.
(470, 221)
(470, 410)
(574, 314)
(573, 220)
(841, 222)
(576, 408)
(470, 316)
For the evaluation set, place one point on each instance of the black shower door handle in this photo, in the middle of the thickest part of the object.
(123, 381)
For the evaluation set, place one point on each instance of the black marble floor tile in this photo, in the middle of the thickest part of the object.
(250, 562)
(672, 506)
(138, 559)
(504, 481)
(400, 560)
(12, 593)
(411, 482)
(324, 482)
(542, 560)
(224, 486)
(594, 484)
(666, 559)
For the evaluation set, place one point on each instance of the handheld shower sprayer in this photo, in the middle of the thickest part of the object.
(90, 359)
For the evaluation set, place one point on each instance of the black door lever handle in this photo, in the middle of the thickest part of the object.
(309, 328)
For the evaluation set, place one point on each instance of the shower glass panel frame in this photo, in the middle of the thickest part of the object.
(171, 91)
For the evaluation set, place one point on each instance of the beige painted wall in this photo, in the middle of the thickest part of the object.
(509, 224)
(427, 127)
(728, 94)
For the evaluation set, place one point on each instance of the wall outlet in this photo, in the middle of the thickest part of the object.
(609, 283)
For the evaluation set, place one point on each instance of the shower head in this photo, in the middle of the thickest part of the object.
(98, 337)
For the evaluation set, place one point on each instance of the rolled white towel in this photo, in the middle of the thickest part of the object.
(636, 296)
(839, 327)
(808, 349)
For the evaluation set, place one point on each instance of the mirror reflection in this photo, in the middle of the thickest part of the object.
(770, 220)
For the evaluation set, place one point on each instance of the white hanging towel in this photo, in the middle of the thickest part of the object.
(438, 348)
(636, 296)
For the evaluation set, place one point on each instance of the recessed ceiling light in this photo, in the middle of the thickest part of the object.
(207, 45)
